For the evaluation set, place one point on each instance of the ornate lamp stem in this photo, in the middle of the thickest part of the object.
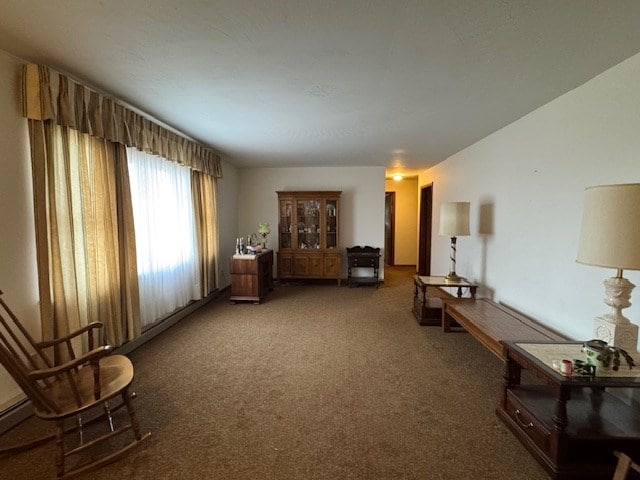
(453, 277)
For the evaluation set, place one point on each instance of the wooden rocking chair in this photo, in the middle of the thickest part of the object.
(625, 466)
(58, 392)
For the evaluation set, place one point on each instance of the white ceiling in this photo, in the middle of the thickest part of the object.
(328, 82)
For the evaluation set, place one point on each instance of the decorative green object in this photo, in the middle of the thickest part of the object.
(605, 356)
(580, 367)
(264, 230)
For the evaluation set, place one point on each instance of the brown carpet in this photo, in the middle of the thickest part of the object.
(319, 382)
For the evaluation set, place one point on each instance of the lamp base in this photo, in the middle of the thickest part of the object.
(624, 336)
(453, 278)
(617, 295)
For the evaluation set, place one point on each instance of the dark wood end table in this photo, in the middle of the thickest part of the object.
(570, 424)
(363, 257)
(428, 310)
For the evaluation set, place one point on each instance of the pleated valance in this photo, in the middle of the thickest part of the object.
(49, 95)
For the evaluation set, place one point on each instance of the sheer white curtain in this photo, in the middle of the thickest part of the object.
(166, 243)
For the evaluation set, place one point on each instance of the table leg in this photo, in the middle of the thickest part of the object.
(423, 288)
(510, 377)
(446, 322)
(560, 422)
(560, 419)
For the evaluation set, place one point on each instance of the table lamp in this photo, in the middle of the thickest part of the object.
(454, 222)
(610, 238)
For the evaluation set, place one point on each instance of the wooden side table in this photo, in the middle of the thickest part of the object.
(428, 310)
(570, 424)
(363, 257)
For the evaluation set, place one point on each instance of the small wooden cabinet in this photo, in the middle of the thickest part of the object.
(308, 235)
(251, 276)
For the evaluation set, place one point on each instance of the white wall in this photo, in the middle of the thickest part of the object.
(526, 186)
(18, 274)
(361, 202)
(406, 221)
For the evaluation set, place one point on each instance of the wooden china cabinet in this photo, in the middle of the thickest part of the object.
(308, 240)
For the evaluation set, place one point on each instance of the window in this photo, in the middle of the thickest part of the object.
(165, 231)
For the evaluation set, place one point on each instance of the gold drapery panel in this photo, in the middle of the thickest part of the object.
(84, 233)
(204, 195)
(48, 95)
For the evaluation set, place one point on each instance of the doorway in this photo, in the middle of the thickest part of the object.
(424, 247)
(389, 227)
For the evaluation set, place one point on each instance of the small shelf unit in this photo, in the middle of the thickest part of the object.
(363, 258)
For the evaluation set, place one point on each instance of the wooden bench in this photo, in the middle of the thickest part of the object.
(491, 323)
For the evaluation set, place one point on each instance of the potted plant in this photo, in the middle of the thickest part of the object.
(605, 356)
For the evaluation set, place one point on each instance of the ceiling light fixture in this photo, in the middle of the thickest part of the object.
(397, 177)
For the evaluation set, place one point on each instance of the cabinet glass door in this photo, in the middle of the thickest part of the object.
(331, 240)
(286, 211)
(308, 217)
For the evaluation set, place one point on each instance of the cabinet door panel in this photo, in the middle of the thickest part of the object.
(308, 226)
(301, 266)
(331, 224)
(244, 286)
(285, 265)
(315, 266)
(285, 228)
(331, 265)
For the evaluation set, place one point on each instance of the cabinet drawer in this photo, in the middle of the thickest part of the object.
(249, 267)
(364, 262)
(528, 423)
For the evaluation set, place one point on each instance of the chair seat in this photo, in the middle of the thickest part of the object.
(116, 373)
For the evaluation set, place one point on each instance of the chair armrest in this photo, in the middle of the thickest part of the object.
(56, 341)
(91, 357)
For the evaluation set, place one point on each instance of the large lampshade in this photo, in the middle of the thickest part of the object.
(610, 238)
(454, 222)
(454, 219)
(610, 234)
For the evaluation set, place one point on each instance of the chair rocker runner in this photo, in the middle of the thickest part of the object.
(58, 392)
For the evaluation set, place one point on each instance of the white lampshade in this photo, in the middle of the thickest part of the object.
(454, 219)
(610, 235)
